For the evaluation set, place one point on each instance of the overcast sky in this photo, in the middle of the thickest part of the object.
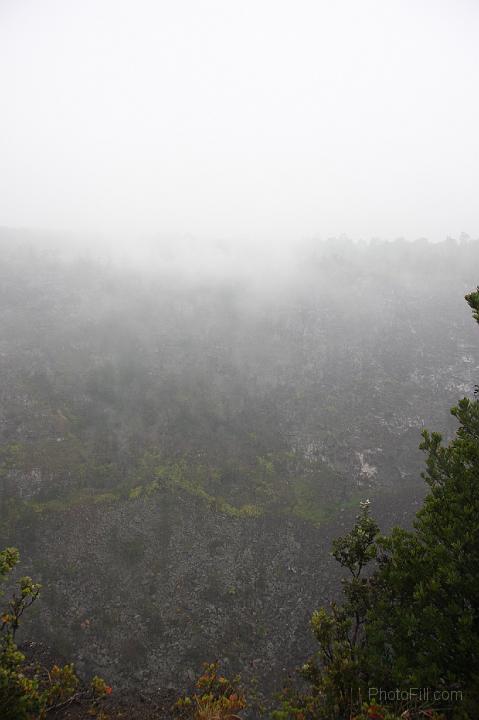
(261, 119)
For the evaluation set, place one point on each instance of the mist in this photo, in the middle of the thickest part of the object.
(259, 122)
(239, 399)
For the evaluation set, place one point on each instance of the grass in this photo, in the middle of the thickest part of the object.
(274, 483)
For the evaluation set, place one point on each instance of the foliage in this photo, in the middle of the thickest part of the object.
(473, 300)
(27, 694)
(424, 623)
(335, 672)
(19, 695)
(414, 622)
(215, 697)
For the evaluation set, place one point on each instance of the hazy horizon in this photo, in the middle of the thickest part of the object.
(239, 247)
(253, 122)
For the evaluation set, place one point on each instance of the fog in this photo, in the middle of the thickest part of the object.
(236, 239)
(259, 122)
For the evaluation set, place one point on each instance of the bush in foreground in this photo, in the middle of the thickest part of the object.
(27, 694)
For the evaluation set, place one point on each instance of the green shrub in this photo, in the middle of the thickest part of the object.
(24, 695)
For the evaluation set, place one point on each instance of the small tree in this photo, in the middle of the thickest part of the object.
(424, 621)
(18, 695)
(23, 696)
(413, 623)
(336, 672)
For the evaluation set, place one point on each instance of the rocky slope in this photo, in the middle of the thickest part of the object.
(177, 455)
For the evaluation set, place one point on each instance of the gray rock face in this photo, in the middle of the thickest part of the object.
(144, 591)
(261, 412)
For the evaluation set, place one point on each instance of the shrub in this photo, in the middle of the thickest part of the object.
(215, 698)
(26, 695)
